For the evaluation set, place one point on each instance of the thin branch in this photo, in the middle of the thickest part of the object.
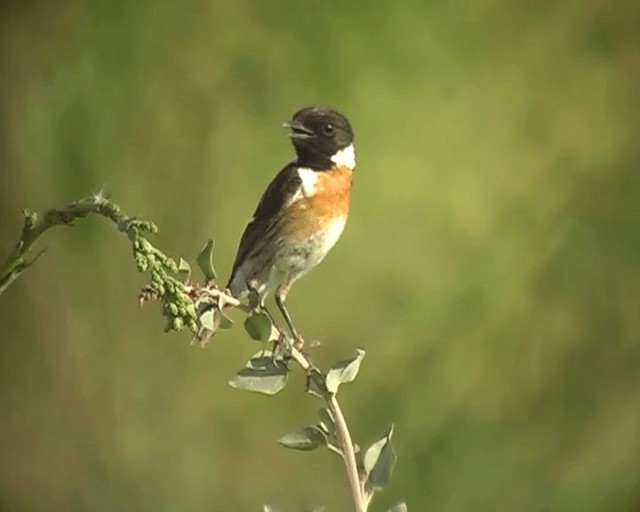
(342, 431)
(348, 454)
(177, 307)
(343, 435)
(36, 225)
(180, 301)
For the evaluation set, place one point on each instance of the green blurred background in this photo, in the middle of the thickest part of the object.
(491, 266)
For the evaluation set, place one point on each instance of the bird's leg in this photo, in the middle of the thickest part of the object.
(256, 302)
(281, 297)
(268, 313)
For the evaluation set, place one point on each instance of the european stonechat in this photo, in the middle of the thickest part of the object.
(302, 213)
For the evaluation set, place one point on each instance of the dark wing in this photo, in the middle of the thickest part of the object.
(270, 208)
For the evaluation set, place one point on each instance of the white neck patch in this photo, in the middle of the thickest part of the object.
(345, 157)
(309, 178)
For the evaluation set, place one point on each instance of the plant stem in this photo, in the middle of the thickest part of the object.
(348, 454)
(343, 436)
(36, 225)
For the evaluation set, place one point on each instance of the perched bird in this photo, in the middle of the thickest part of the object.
(302, 213)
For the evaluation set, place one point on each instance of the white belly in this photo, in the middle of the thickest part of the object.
(291, 261)
(298, 259)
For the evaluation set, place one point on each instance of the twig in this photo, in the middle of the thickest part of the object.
(342, 432)
(348, 454)
(180, 301)
(36, 225)
(221, 298)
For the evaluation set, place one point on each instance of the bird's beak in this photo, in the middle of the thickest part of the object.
(298, 130)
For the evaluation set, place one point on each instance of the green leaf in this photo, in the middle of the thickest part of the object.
(207, 320)
(327, 423)
(263, 374)
(213, 319)
(379, 460)
(344, 371)
(307, 438)
(400, 507)
(258, 326)
(225, 321)
(184, 269)
(328, 427)
(205, 260)
(261, 360)
(269, 508)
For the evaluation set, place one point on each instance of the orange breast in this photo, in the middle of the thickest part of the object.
(332, 193)
(330, 200)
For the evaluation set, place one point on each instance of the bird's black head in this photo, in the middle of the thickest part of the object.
(322, 137)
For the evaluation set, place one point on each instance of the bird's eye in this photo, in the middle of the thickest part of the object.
(328, 129)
